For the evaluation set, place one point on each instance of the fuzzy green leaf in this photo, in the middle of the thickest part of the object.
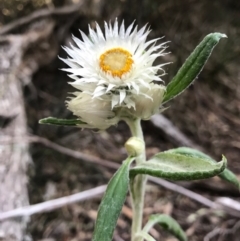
(112, 203)
(179, 167)
(226, 175)
(192, 66)
(61, 122)
(167, 223)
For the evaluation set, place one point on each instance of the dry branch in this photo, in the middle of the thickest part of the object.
(61, 149)
(228, 202)
(53, 204)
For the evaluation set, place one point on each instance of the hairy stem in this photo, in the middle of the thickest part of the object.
(137, 187)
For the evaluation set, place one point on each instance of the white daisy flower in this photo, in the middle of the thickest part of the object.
(116, 67)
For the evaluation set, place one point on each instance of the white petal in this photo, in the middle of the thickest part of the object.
(100, 82)
(99, 32)
(122, 95)
(79, 43)
(128, 31)
(99, 89)
(99, 93)
(110, 30)
(85, 38)
(107, 32)
(110, 87)
(122, 30)
(129, 103)
(115, 28)
(145, 84)
(93, 35)
(115, 100)
(135, 86)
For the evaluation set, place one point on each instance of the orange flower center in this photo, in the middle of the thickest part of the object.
(116, 62)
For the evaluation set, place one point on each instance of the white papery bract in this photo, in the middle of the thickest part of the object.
(148, 104)
(116, 67)
(95, 112)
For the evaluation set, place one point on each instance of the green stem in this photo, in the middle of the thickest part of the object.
(137, 187)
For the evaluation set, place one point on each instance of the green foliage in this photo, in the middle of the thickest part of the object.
(112, 203)
(174, 166)
(226, 175)
(192, 66)
(167, 223)
(61, 122)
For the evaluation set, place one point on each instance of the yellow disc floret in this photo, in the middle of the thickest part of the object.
(116, 61)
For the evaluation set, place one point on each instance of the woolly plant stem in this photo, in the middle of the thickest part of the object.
(137, 187)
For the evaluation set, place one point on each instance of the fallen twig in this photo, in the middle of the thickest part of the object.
(53, 204)
(233, 211)
(61, 149)
(228, 202)
(181, 190)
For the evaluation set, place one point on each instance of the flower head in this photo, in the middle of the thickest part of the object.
(116, 68)
(148, 104)
(95, 112)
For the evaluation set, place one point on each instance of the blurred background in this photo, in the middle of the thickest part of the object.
(32, 87)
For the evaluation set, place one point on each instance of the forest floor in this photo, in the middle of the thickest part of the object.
(207, 113)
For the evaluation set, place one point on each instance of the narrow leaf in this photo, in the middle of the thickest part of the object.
(226, 175)
(192, 66)
(167, 223)
(61, 122)
(112, 203)
(179, 167)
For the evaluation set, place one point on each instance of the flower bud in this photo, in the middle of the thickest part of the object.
(95, 112)
(135, 146)
(149, 104)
